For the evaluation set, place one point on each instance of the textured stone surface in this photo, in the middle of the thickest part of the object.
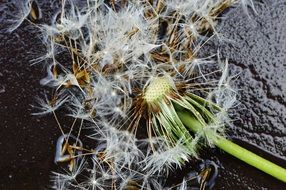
(26, 141)
(256, 49)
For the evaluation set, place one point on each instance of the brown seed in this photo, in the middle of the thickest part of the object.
(35, 13)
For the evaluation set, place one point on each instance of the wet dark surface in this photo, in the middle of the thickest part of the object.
(27, 142)
(257, 51)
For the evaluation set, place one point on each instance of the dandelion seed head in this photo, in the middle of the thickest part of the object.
(131, 64)
(157, 89)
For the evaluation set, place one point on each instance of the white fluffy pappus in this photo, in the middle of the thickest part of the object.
(116, 51)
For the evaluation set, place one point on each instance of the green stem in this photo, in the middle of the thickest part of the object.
(237, 151)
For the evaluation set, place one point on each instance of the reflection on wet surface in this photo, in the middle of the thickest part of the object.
(257, 51)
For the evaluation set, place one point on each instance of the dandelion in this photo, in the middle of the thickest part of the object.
(150, 101)
(158, 104)
(170, 113)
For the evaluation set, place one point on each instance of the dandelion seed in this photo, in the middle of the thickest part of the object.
(17, 17)
(248, 3)
(48, 106)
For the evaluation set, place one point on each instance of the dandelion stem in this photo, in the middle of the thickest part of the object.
(237, 151)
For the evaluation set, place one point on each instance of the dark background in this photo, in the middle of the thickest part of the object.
(255, 46)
